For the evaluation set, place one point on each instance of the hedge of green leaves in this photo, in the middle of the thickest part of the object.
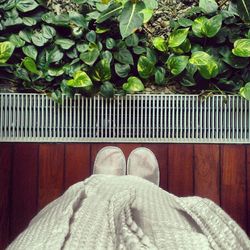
(102, 48)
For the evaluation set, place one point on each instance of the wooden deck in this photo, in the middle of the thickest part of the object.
(33, 174)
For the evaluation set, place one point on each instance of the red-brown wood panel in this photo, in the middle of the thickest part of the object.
(51, 172)
(207, 171)
(161, 153)
(128, 148)
(5, 188)
(233, 182)
(180, 169)
(248, 189)
(24, 186)
(77, 163)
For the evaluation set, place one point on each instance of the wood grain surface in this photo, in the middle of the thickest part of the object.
(207, 171)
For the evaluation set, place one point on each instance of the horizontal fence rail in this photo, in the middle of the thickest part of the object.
(133, 118)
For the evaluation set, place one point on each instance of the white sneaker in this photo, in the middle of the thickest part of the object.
(142, 162)
(110, 160)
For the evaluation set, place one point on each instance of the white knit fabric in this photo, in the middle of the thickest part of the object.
(128, 212)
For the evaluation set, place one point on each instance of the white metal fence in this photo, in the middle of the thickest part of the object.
(133, 118)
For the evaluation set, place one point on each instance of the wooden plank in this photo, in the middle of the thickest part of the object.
(77, 163)
(248, 189)
(51, 172)
(161, 153)
(207, 171)
(5, 188)
(24, 186)
(180, 169)
(127, 148)
(233, 182)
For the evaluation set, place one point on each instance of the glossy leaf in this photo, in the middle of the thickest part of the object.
(91, 36)
(113, 10)
(64, 43)
(160, 43)
(16, 40)
(198, 25)
(212, 26)
(122, 70)
(110, 43)
(177, 37)
(90, 56)
(176, 64)
(131, 19)
(160, 73)
(245, 91)
(107, 90)
(147, 14)
(26, 35)
(133, 85)
(124, 56)
(29, 21)
(145, 67)
(38, 39)
(101, 71)
(6, 50)
(30, 51)
(26, 5)
(80, 80)
(30, 65)
(185, 22)
(244, 9)
(55, 71)
(207, 66)
(208, 6)
(132, 40)
(242, 48)
(48, 31)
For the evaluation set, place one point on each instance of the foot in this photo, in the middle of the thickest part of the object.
(142, 162)
(110, 160)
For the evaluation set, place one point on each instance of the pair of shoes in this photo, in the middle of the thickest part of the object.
(141, 162)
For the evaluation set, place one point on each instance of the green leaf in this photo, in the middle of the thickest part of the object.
(197, 26)
(124, 56)
(113, 10)
(7, 5)
(78, 19)
(138, 50)
(185, 22)
(29, 21)
(212, 26)
(26, 35)
(80, 80)
(151, 4)
(16, 40)
(151, 55)
(64, 43)
(91, 36)
(101, 71)
(30, 65)
(232, 60)
(147, 14)
(82, 47)
(48, 31)
(54, 55)
(245, 91)
(122, 70)
(55, 71)
(242, 48)
(177, 37)
(160, 73)
(110, 43)
(48, 17)
(131, 19)
(208, 6)
(185, 47)
(30, 51)
(26, 5)
(207, 66)
(57, 96)
(133, 85)
(145, 67)
(38, 39)
(160, 43)
(107, 90)
(22, 74)
(244, 9)
(176, 64)
(132, 40)
(107, 55)
(6, 50)
(89, 57)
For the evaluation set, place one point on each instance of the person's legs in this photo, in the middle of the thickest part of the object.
(111, 161)
(143, 163)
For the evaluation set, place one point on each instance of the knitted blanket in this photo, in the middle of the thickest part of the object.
(128, 212)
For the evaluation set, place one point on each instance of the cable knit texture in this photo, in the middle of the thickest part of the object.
(128, 212)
